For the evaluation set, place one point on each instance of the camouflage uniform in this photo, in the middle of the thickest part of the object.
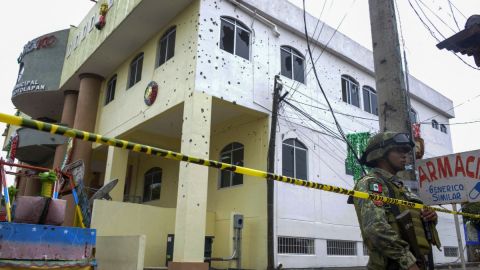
(383, 242)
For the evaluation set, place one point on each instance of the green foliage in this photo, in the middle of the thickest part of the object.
(359, 143)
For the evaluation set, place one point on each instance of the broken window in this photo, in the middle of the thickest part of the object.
(135, 70)
(292, 64)
(166, 46)
(152, 184)
(350, 91)
(370, 100)
(231, 154)
(110, 93)
(235, 37)
(294, 159)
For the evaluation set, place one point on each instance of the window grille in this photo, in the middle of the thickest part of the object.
(231, 154)
(296, 245)
(235, 37)
(350, 93)
(450, 251)
(166, 46)
(370, 101)
(365, 250)
(110, 93)
(136, 70)
(294, 159)
(292, 62)
(152, 184)
(341, 248)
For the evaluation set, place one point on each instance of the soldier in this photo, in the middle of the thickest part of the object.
(386, 154)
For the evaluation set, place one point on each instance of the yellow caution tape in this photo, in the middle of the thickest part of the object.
(149, 150)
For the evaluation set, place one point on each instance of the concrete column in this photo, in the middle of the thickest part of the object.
(191, 212)
(68, 117)
(86, 116)
(117, 163)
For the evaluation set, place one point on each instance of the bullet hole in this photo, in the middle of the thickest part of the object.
(190, 140)
(209, 61)
(211, 30)
(202, 110)
(238, 82)
(216, 57)
(201, 73)
(216, 67)
(198, 204)
(183, 196)
(228, 82)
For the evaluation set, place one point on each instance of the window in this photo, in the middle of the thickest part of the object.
(152, 184)
(296, 245)
(370, 101)
(234, 37)
(350, 91)
(231, 154)
(413, 116)
(341, 248)
(443, 128)
(85, 30)
(166, 46)
(450, 251)
(292, 63)
(294, 159)
(110, 93)
(435, 124)
(135, 70)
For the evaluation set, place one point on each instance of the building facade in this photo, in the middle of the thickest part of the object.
(197, 77)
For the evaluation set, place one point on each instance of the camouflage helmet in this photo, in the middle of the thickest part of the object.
(381, 143)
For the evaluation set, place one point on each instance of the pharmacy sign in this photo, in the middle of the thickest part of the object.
(450, 179)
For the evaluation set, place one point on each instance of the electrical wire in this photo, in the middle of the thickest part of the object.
(436, 16)
(450, 5)
(324, 47)
(452, 124)
(340, 130)
(456, 106)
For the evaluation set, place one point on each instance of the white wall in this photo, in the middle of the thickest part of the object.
(299, 211)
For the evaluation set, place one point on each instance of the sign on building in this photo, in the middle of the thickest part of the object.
(450, 179)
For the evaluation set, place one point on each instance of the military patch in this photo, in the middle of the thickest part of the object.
(378, 203)
(375, 187)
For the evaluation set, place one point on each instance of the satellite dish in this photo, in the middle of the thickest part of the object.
(102, 193)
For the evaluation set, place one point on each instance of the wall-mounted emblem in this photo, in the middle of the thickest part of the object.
(102, 20)
(150, 93)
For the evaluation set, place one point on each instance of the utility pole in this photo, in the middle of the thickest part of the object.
(277, 88)
(393, 108)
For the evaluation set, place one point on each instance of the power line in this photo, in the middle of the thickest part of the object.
(436, 15)
(323, 48)
(435, 37)
(321, 88)
(450, 5)
(458, 105)
(450, 2)
(452, 124)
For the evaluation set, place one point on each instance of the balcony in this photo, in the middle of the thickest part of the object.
(37, 147)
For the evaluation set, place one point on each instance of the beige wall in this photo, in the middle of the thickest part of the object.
(120, 252)
(174, 79)
(126, 219)
(85, 46)
(248, 199)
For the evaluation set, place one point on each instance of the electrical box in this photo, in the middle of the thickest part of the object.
(238, 221)
(207, 253)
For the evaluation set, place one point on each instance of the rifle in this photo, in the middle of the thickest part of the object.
(407, 231)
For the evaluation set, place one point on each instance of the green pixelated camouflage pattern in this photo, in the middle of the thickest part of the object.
(374, 141)
(378, 227)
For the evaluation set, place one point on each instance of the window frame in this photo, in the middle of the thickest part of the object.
(236, 24)
(293, 52)
(443, 128)
(371, 92)
(230, 149)
(151, 172)
(110, 92)
(351, 81)
(434, 124)
(134, 62)
(166, 36)
(413, 114)
(295, 147)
